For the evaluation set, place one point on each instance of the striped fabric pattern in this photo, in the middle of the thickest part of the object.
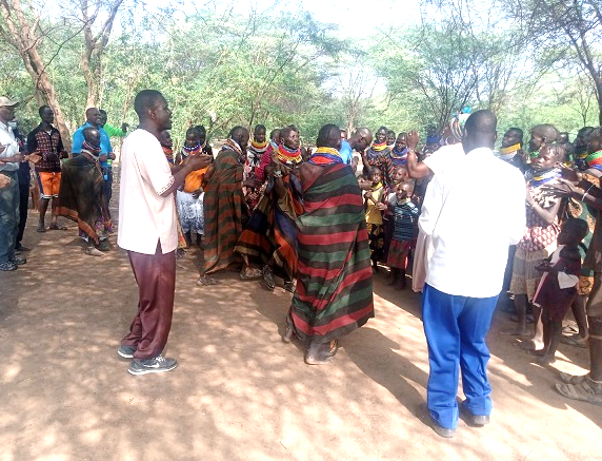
(334, 287)
(223, 205)
(271, 230)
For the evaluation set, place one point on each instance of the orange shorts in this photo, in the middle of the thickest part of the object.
(50, 183)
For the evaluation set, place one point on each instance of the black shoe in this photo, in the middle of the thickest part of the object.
(474, 420)
(19, 247)
(8, 266)
(126, 352)
(158, 364)
(440, 430)
(104, 245)
(18, 260)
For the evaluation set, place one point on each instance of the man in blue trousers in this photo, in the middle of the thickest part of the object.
(473, 211)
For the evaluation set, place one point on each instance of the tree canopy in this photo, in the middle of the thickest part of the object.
(223, 65)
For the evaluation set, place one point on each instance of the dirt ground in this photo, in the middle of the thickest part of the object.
(239, 393)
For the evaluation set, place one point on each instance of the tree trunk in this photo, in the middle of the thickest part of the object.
(20, 33)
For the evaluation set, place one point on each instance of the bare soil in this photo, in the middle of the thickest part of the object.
(239, 393)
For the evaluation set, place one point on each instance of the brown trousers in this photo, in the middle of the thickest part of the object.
(156, 278)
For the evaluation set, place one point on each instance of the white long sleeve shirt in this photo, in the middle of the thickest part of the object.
(473, 210)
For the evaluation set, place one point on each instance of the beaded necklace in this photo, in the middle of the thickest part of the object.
(400, 158)
(324, 156)
(594, 160)
(539, 178)
(289, 156)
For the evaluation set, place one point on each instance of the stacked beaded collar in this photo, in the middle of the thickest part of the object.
(594, 160)
(259, 147)
(289, 156)
(324, 156)
(539, 178)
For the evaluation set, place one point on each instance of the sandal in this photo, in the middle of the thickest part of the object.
(268, 279)
(57, 227)
(586, 391)
(205, 281)
(567, 378)
(249, 274)
(41, 229)
(287, 337)
(289, 286)
(574, 340)
(93, 251)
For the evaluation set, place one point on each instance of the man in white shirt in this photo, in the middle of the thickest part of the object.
(9, 195)
(473, 210)
(147, 230)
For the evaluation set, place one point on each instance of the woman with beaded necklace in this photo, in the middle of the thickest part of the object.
(375, 156)
(270, 237)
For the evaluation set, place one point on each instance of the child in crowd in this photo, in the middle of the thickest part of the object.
(557, 288)
(373, 202)
(405, 231)
(190, 198)
(541, 232)
(398, 176)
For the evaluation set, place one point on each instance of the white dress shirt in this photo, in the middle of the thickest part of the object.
(473, 210)
(145, 217)
(11, 147)
(443, 157)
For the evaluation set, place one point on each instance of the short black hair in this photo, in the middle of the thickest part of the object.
(42, 109)
(287, 129)
(518, 131)
(86, 132)
(259, 127)
(580, 224)
(326, 136)
(146, 99)
(234, 131)
(192, 130)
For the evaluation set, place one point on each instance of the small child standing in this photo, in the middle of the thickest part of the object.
(373, 202)
(557, 288)
(405, 232)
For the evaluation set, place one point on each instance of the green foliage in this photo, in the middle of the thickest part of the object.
(224, 66)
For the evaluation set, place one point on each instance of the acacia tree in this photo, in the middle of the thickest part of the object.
(21, 28)
(95, 41)
(564, 31)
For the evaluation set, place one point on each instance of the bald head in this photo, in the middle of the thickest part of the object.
(480, 130)
(329, 136)
(361, 139)
(93, 116)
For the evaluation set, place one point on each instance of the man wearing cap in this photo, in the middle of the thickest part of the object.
(9, 195)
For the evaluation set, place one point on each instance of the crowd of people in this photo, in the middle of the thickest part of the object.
(472, 228)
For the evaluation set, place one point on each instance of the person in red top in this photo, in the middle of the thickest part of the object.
(45, 141)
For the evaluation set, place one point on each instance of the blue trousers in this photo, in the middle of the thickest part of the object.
(455, 329)
(9, 217)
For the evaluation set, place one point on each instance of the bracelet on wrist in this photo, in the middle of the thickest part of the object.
(586, 192)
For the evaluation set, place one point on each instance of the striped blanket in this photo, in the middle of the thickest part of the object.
(334, 287)
(271, 230)
(224, 207)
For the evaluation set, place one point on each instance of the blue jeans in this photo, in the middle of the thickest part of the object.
(9, 217)
(455, 329)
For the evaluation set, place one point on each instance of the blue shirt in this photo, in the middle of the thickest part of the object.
(346, 152)
(105, 143)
